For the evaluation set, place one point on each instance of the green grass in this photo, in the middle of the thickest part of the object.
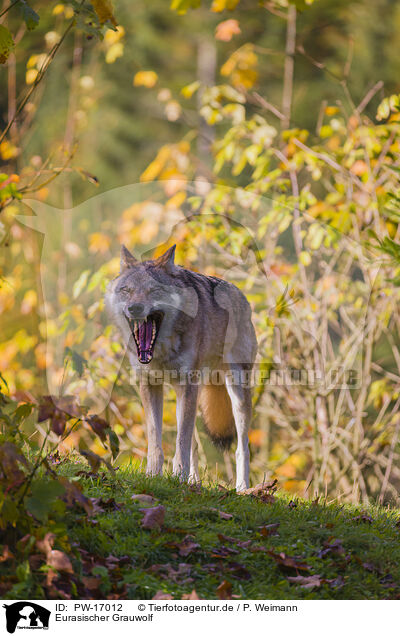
(360, 558)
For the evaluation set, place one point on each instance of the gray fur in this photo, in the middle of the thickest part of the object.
(206, 325)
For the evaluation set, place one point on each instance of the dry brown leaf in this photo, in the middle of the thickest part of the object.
(222, 514)
(153, 517)
(144, 498)
(46, 545)
(193, 596)
(308, 582)
(285, 561)
(162, 596)
(59, 561)
(224, 590)
(6, 554)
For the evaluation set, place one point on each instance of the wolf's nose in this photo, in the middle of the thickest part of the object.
(136, 310)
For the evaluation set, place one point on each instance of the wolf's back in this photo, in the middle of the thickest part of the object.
(216, 409)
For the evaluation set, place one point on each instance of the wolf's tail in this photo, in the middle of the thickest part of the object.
(217, 413)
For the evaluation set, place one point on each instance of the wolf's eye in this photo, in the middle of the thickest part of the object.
(124, 290)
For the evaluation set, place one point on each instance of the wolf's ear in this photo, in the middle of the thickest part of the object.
(167, 260)
(127, 259)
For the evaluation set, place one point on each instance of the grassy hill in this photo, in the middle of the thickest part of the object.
(154, 536)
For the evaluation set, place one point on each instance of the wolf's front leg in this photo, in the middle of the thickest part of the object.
(152, 399)
(241, 406)
(186, 407)
(194, 476)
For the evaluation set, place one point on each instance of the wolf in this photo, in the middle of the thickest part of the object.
(194, 332)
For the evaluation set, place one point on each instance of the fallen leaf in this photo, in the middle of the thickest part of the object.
(153, 517)
(45, 545)
(193, 596)
(270, 529)
(308, 582)
(59, 561)
(285, 561)
(330, 547)
(162, 596)
(336, 583)
(144, 498)
(166, 571)
(238, 542)
(6, 554)
(264, 491)
(91, 582)
(222, 514)
(187, 546)
(224, 590)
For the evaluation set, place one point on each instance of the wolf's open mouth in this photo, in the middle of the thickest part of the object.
(145, 334)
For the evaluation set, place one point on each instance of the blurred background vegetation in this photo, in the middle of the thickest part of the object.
(284, 111)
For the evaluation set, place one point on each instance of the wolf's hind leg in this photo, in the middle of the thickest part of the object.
(186, 407)
(152, 399)
(240, 396)
(194, 476)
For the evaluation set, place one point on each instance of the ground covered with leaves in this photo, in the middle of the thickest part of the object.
(129, 536)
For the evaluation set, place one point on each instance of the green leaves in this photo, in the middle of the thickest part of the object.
(44, 494)
(78, 363)
(30, 16)
(6, 44)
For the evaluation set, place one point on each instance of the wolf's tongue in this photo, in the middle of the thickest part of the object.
(145, 334)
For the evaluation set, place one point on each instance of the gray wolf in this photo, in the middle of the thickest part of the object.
(195, 331)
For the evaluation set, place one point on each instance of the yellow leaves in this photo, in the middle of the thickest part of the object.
(58, 9)
(99, 243)
(226, 30)
(145, 78)
(113, 44)
(29, 301)
(104, 11)
(241, 67)
(112, 36)
(379, 393)
(154, 168)
(331, 110)
(31, 75)
(315, 236)
(33, 65)
(170, 163)
(220, 5)
(256, 437)
(8, 151)
(189, 90)
(177, 200)
(305, 258)
(387, 106)
(40, 356)
(114, 52)
(36, 61)
(62, 9)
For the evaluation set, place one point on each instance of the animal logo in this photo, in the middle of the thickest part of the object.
(26, 615)
(194, 332)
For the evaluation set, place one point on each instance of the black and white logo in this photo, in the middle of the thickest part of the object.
(26, 615)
